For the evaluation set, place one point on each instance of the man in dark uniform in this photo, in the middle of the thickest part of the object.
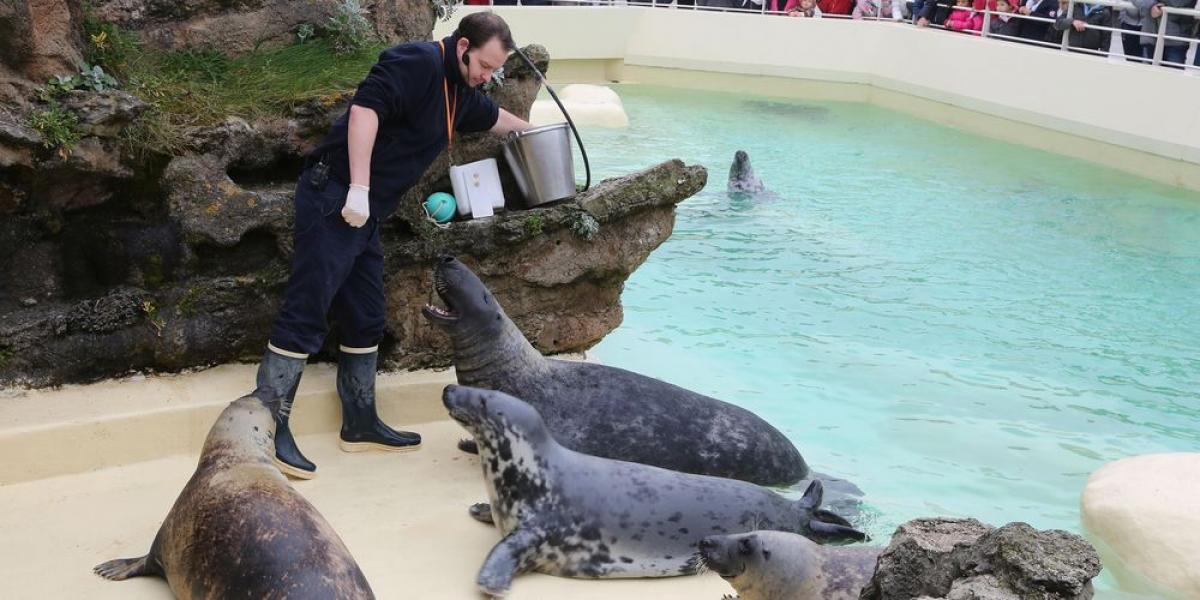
(403, 115)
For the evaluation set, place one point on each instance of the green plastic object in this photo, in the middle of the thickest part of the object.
(441, 207)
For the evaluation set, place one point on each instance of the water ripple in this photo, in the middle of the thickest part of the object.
(957, 325)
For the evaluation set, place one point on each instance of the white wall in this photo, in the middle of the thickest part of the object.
(1085, 106)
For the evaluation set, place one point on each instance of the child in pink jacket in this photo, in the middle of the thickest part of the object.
(966, 17)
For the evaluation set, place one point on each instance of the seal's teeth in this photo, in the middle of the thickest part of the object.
(439, 311)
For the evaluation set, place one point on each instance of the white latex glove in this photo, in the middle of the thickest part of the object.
(358, 206)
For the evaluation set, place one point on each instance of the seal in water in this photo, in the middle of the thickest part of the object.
(239, 530)
(741, 176)
(776, 565)
(601, 410)
(575, 515)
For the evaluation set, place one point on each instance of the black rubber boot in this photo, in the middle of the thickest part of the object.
(279, 376)
(361, 427)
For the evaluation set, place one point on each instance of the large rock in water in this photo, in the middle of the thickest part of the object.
(963, 559)
(1144, 512)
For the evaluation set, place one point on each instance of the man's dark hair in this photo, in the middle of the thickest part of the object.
(481, 27)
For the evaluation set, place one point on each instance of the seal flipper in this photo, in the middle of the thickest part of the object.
(813, 496)
(514, 554)
(123, 568)
(482, 512)
(828, 532)
(468, 446)
(824, 525)
(831, 517)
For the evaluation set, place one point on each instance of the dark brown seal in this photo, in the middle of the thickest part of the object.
(239, 530)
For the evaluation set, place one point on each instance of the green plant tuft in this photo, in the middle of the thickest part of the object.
(348, 29)
(304, 31)
(106, 45)
(534, 224)
(58, 127)
(201, 88)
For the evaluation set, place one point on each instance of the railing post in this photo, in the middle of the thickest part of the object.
(987, 21)
(1066, 36)
(1158, 42)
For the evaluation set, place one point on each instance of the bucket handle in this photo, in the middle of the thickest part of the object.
(542, 78)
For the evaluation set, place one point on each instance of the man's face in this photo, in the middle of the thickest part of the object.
(482, 61)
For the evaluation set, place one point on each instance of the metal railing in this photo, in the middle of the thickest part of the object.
(1161, 38)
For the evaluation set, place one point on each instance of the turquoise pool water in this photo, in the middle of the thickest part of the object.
(960, 326)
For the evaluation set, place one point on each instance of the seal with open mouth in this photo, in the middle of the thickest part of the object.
(602, 410)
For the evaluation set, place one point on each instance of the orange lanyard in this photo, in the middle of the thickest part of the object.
(450, 111)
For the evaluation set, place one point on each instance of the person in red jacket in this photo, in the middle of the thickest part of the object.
(835, 7)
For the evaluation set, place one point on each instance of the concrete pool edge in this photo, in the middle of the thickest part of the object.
(145, 417)
(1133, 118)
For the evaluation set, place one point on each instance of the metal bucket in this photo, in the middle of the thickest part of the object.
(542, 163)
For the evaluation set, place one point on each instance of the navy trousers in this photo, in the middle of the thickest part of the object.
(336, 269)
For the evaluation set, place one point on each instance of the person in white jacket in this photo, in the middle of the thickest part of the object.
(878, 9)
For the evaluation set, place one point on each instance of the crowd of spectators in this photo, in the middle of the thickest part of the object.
(1033, 21)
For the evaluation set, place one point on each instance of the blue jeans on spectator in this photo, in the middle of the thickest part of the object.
(1172, 56)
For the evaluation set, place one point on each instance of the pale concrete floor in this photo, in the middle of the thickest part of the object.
(403, 516)
(87, 473)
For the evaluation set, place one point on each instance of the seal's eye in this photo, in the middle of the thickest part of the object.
(745, 548)
(766, 554)
(487, 299)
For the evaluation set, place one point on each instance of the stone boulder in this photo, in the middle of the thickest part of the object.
(1142, 512)
(210, 207)
(243, 26)
(85, 175)
(19, 145)
(963, 559)
(111, 263)
(38, 40)
(563, 267)
(559, 272)
(103, 114)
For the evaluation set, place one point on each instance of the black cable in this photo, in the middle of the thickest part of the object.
(587, 167)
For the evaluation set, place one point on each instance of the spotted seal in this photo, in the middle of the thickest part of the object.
(742, 178)
(238, 529)
(776, 565)
(602, 410)
(575, 515)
